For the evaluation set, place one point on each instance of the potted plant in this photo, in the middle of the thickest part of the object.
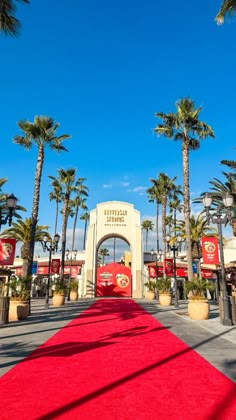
(198, 304)
(59, 294)
(73, 289)
(19, 298)
(164, 291)
(151, 288)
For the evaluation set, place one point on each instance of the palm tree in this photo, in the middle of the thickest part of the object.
(175, 207)
(9, 25)
(186, 127)
(227, 8)
(154, 194)
(147, 225)
(199, 228)
(220, 189)
(42, 133)
(103, 252)
(66, 178)
(169, 221)
(20, 231)
(55, 195)
(78, 202)
(85, 216)
(3, 204)
(167, 188)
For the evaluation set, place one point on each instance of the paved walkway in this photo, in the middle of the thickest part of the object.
(213, 341)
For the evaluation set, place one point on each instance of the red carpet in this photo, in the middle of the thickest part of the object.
(116, 362)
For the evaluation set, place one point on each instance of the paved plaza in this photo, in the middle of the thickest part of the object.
(213, 341)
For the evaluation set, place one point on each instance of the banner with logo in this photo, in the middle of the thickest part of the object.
(155, 271)
(152, 271)
(55, 266)
(169, 266)
(72, 271)
(113, 280)
(7, 251)
(210, 254)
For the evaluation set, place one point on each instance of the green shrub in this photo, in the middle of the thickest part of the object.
(163, 285)
(151, 285)
(59, 288)
(74, 285)
(197, 288)
(20, 288)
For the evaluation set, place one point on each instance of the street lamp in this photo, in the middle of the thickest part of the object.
(7, 210)
(174, 248)
(50, 246)
(70, 256)
(221, 216)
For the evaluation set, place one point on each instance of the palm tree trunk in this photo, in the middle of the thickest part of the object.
(146, 239)
(164, 231)
(74, 227)
(157, 225)
(63, 234)
(35, 209)
(56, 218)
(85, 232)
(185, 155)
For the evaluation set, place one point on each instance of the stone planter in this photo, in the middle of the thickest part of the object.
(58, 300)
(165, 299)
(150, 295)
(198, 309)
(73, 295)
(18, 310)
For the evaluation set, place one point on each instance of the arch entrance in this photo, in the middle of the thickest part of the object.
(114, 251)
(113, 271)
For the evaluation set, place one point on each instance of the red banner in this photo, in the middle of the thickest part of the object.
(207, 274)
(7, 251)
(74, 270)
(42, 270)
(113, 280)
(152, 271)
(168, 266)
(210, 254)
(155, 271)
(55, 266)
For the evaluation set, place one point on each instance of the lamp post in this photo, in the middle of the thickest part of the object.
(50, 246)
(174, 248)
(220, 216)
(70, 256)
(7, 210)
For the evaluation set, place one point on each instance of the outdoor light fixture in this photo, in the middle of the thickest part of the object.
(174, 248)
(221, 216)
(7, 210)
(50, 246)
(70, 256)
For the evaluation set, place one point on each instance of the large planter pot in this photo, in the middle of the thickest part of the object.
(73, 295)
(165, 299)
(150, 295)
(198, 309)
(58, 299)
(18, 310)
(4, 309)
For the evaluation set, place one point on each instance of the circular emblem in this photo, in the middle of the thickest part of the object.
(122, 280)
(209, 247)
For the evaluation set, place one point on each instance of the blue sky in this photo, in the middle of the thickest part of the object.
(102, 69)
